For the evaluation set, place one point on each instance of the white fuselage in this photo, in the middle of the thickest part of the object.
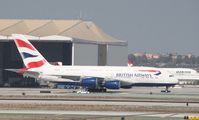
(127, 75)
(183, 73)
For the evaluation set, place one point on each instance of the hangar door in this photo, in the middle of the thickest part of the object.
(85, 54)
(1, 64)
(10, 58)
(117, 55)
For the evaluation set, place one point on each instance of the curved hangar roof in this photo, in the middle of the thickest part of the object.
(72, 30)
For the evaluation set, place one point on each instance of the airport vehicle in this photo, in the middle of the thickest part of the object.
(83, 92)
(97, 78)
(182, 74)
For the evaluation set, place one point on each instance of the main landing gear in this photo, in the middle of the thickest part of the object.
(166, 90)
(97, 90)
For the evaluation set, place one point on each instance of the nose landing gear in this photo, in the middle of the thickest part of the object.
(166, 90)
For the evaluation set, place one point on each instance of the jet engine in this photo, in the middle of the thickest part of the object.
(112, 84)
(89, 82)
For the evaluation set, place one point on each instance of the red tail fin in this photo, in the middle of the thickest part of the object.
(130, 63)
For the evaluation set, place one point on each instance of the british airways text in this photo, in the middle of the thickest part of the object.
(131, 75)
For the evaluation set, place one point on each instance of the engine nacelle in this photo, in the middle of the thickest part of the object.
(112, 84)
(90, 82)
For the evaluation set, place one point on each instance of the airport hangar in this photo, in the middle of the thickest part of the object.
(72, 42)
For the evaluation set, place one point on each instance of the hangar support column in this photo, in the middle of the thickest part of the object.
(102, 54)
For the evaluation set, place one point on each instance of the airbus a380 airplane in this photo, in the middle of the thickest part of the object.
(91, 77)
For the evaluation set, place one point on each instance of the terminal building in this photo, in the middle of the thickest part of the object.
(72, 42)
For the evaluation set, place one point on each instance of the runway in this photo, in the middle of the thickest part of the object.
(97, 113)
(136, 91)
(98, 102)
(136, 103)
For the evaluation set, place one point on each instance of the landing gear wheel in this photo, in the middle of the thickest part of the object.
(97, 90)
(166, 90)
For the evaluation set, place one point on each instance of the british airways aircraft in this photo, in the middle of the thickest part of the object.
(91, 77)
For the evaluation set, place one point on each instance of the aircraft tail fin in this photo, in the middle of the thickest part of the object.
(29, 54)
(130, 63)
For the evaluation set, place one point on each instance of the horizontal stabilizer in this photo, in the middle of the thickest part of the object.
(20, 71)
(25, 72)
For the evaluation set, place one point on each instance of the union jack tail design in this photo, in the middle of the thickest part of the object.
(30, 56)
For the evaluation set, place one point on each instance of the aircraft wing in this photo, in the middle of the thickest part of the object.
(35, 74)
(75, 77)
(25, 72)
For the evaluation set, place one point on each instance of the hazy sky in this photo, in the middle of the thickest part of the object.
(159, 26)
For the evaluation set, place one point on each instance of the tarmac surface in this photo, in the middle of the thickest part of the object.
(136, 103)
(84, 102)
(186, 91)
(98, 114)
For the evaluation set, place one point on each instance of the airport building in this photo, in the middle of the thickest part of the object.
(72, 42)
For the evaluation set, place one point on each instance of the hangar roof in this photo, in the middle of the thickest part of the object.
(78, 30)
